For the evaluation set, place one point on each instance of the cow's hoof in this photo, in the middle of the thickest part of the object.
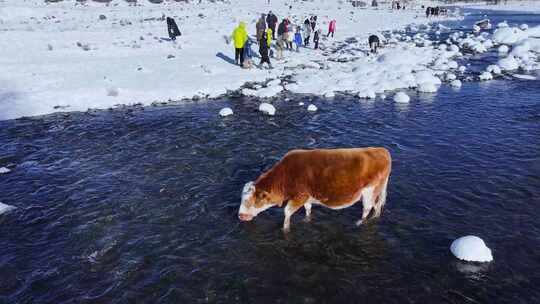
(286, 230)
(359, 223)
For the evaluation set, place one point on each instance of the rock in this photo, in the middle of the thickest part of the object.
(170, 56)
(472, 249)
(312, 108)
(225, 112)
(267, 109)
(102, 17)
(49, 47)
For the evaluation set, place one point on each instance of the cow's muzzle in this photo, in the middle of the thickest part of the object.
(245, 217)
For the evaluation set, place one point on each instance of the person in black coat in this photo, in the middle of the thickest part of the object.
(374, 43)
(316, 38)
(263, 50)
(272, 20)
(172, 28)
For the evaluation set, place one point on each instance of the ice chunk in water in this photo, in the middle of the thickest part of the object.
(402, 97)
(5, 208)
(471, 248)
(225, 112)
(267, 108)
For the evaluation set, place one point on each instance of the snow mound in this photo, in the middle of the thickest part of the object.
(485, 76)
(300, 103)
(493, 68)
(267, 109)
(6, 208)
(401, 97)
(524, 27)
(508, 64)
(456, 83)
(525, 77)
(472, 249)
(225, 112)
(503, 49)
(368, 94)
(427, 88)
(503, 24)
(312, 108)
(4, 170)
(508, 35)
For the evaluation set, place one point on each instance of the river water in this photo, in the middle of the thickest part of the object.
(138, 205)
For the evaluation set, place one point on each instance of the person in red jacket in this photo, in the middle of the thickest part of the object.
(331, 28)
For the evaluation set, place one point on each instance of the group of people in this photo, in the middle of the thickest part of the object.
(436, 11)
(287, 36)
(398, 5)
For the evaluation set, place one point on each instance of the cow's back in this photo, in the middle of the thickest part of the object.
(334, 176)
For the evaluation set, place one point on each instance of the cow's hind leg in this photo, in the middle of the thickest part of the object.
(307, 206)
(292, 206)
(381, 197)
(368, 203)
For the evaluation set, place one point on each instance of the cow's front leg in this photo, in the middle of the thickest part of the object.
(290, 209)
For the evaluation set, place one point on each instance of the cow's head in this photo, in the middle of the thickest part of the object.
(254, 201)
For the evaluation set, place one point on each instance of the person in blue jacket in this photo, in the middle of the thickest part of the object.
(298, 39)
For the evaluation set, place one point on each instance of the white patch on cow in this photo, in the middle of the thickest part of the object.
(247, 192)
(368, 201)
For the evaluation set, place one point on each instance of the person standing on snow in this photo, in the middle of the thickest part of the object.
(263, 50)
(261, 27)
(172, 29)
(290, 34)
(248, 55)
(313, 22)
(316, 38)
(240, 37)
(272, 20)
(331, 28)
(282, 31)
(298, 39)
(307, 32)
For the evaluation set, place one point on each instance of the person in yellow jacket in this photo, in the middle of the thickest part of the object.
(240, 37)
(268, 36)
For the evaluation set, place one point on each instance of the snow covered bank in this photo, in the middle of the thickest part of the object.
(532, 6)
(70, 57)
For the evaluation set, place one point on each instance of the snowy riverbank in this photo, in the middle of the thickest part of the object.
(531, 6)
(67, 57)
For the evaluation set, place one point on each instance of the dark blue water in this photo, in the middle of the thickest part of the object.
(139, 205)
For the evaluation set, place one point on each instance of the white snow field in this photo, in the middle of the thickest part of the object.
(65, 56)
(471, 248)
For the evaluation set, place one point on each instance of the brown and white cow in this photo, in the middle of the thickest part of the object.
(335, 178)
